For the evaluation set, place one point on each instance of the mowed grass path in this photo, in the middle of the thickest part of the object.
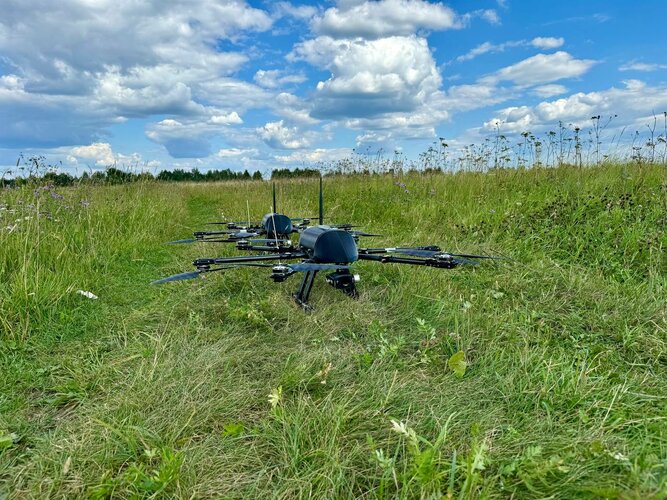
(224, 387)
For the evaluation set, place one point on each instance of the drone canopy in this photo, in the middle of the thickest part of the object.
(327, 244)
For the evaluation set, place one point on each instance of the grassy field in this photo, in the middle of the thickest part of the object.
(224, 387)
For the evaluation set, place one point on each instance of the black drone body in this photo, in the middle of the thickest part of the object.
(319, 248)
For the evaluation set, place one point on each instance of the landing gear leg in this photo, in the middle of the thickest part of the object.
(301, 296)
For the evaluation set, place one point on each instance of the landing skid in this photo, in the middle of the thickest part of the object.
(302, 294)
(341, 280)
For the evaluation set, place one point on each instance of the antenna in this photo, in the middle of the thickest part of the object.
(321, 202)
(274, 197)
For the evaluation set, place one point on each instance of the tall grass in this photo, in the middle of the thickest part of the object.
(224, 387)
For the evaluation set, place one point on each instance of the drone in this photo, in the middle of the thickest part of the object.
(277, 228)
(320, 247)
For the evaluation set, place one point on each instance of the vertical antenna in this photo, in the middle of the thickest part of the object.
(321, 202)
(274, 198)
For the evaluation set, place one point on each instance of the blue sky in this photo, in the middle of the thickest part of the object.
(259, 85)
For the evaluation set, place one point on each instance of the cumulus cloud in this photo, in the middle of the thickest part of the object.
(275, 78)
(161, 56)
(191, 138)
(278, 136)
(370, 77)
(101, 155)
(376, 19)
(315, 155)
(99, 152)
(633, 101)
(543, 68)
(641, 66)
(491, 48)
(235, 152)
(488, 48)
(286, 9)
(547, 42)
(549, 90)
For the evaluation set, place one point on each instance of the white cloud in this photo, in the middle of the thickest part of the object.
(278, 136)
(275, 78)
(232, 118)
(489, 15)
(235, 152)
(191, 138)
(102, 155)
(549, 90)
(163, 59)
(547, 42)
(370, 77)
(543, 68)
(315, 155)
(99, 152)
(490, 48)
(640, 66)
(282, 9)
(293, 109)
(375, 19)
(635, 101)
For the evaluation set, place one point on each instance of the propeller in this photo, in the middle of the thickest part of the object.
(361, 233)
(420, 252)
(177, 277)
(237, 224)
(269, 240)
(414, 252)
(180, 241)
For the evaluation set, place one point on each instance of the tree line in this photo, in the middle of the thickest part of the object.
(35, 170)
(114, 175)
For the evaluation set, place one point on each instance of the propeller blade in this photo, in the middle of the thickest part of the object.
(177, 277)
(465, 261)
(361, 233)
(469, 256)
(307, 266)
(219, 240)
(238, 224)
(414, 252)
(460, 258)
(269, 240)
(180, 241)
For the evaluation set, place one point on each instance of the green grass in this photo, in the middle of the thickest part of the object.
(224, 387)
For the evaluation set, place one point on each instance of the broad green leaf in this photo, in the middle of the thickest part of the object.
(233, 429)
(458, 364)
(7, 441)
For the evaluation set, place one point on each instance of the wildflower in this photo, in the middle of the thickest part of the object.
(276, 397)
(400, 428)
(324, 372)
